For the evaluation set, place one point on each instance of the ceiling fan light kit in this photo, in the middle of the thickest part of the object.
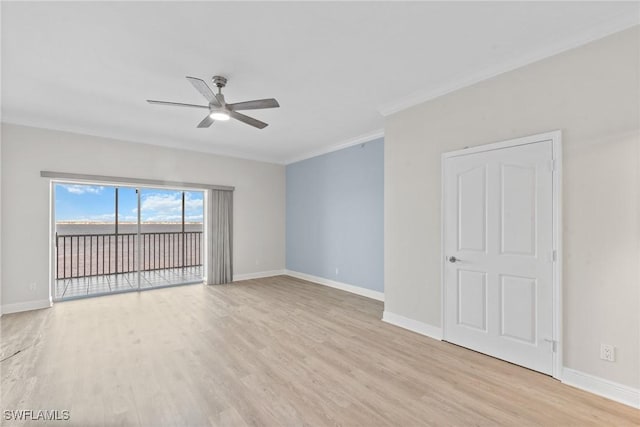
(218, 107)
(220, 115)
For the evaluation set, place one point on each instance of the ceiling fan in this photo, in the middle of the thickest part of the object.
(218, 107)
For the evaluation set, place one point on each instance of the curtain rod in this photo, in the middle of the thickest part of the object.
(129, 181)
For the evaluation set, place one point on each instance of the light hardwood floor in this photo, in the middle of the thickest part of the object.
(276, 351)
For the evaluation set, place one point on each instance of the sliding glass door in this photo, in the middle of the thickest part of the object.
(171, 236)
(112, 239)
(85, 239)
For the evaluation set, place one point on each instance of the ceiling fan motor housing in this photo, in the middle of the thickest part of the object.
(219, 81)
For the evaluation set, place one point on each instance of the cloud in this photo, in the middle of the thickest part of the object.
(107, 217)
(82, 189)
(156, 207)
(161, 202)
(103, 217)
(172, 218)
(110, 218)
(162, 205)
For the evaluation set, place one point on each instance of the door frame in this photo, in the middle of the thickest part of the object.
(556, 167)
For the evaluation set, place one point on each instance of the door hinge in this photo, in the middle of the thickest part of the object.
(554, 256)
(554, 344)
(552, 165)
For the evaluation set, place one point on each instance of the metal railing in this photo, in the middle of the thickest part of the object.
(84, 255)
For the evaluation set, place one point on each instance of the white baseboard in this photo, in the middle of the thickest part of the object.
(412, 325)
(26, 306)
(258, 275)
(602, 387)
(338, 285)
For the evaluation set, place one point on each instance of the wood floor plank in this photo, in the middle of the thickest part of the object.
(266, 352)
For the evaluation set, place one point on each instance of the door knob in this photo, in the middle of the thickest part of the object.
(453, 259)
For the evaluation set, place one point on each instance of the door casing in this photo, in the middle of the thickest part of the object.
(556, 142)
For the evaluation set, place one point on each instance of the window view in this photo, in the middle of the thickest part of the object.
(101, 248)
(171, 236)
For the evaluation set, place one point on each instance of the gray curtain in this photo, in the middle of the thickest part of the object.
(220, 222)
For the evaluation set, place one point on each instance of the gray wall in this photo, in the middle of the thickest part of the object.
(335, 215)
(592, 94)
(259, 199)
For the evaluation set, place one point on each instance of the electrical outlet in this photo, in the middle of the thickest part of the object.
(337, 271)
(32, 286)
(607, 352)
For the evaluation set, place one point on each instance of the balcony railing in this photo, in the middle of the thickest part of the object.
(85, 255)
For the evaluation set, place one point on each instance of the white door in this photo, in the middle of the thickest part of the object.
(498, 247)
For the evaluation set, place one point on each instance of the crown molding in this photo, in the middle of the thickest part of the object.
(145, 140)
(360, 139)
(619, 23)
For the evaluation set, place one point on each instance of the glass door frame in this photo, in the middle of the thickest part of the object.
(138, 265)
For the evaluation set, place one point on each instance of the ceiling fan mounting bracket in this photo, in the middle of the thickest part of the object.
(219, 81)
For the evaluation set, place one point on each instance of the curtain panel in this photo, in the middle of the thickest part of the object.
(220, 239)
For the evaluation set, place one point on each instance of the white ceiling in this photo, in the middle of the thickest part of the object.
(335, 68)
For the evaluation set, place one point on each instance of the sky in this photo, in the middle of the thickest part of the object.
(96, 203)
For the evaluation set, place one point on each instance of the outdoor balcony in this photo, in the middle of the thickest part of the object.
(98, 264)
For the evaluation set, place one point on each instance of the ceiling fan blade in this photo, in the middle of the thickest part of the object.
(175, 104)
(257, 104)
(206, 122)
(248, 120)
(202, 87)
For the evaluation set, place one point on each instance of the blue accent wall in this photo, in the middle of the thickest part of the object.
(335, 208)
